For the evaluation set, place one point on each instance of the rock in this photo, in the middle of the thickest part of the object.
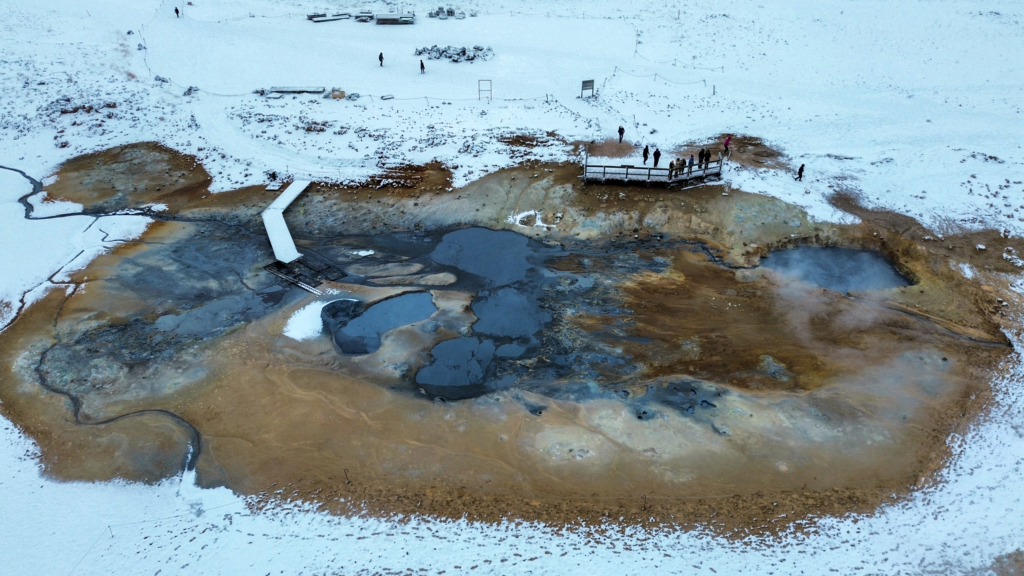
(384, 270)
(455, 54)
(441, 279)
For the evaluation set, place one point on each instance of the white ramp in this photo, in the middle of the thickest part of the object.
(277, 230)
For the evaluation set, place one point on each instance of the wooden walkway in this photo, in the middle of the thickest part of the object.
(305, 269)
(630, 174)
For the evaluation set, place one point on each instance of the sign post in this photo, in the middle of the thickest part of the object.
(483, 86)
(587, 85)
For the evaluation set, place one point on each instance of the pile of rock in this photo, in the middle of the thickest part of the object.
(456, 54)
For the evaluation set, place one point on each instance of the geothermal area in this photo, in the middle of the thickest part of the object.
(307, 331)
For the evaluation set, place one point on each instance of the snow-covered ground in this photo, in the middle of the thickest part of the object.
(38, 254)
(970, 517)
(916, 105)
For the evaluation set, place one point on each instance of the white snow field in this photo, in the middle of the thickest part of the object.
(914, 105)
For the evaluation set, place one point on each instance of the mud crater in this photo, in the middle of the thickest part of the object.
(642, 346)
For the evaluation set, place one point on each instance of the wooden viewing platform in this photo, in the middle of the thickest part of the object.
(648, 174)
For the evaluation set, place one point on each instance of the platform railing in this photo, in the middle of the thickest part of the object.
(649, 174)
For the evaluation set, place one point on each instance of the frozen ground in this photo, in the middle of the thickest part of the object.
(918, 110)
(970, 517)
(914, 105)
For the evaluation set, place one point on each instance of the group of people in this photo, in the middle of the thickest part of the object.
(680, 166)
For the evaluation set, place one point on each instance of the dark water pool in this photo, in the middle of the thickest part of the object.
(508, 310)
(357, 329)
(499, 257)
(839, 269)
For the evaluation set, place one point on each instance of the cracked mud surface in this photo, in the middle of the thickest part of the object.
(628, 348)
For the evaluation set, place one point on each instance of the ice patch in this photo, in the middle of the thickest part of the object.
(39, 250)
(43, 208)
(965, 269)
(305, 323)
(13, 186)
(517, 219)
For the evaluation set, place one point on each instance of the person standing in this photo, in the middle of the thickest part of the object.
(691, 164)
(647, 153)
(726, 146)
(700, 159)
(381, 58)
(671, 169)
(800, 173)
(176, 13)
(657, 157)
(622, 132)
(423, 69)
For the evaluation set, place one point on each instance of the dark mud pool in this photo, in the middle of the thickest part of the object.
(839, 269)
(357, 329)
(508, 312)
(502, 268)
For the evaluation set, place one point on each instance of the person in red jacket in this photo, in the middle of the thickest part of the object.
(726, 146)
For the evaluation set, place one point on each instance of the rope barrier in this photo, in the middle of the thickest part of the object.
(675, 62)
(656, 76)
